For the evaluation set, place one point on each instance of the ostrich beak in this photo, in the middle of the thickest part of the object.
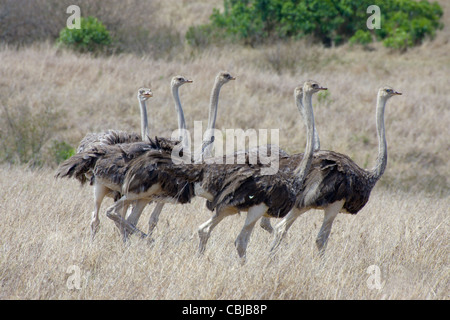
(398, 93)
(233, 78)
(322, 88)
(189, 81)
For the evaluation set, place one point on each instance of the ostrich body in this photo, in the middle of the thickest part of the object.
(337, 184)
(145, 184)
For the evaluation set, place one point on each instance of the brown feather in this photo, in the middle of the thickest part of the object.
(110, 137)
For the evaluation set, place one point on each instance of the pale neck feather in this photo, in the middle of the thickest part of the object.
(145, 132)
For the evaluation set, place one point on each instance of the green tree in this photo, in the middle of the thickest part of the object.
(404, 23)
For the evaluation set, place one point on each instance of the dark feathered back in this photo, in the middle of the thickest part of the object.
(334, 177)
(110, 137)
(111, 152)
(83, 163)
(250, 188)
(152, 168)
(79, 165)
(163, 144)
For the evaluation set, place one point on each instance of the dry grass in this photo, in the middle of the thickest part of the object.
(403, 229)
(45, 231)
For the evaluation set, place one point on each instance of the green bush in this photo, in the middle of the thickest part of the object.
(404, 23)
(91, 37)
(361, 37)
(61, 151)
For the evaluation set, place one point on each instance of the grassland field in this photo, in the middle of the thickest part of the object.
(59, 95)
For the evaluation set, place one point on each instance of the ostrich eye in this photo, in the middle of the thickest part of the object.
(389, 90)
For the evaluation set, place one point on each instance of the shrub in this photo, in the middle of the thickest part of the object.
(91, 37)
(361, 37)
(61, 151)
(404, 23)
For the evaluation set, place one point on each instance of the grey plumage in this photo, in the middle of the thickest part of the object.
(108, 161)
(109, 137)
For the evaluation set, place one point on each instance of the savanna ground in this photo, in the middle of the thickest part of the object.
(59, 96)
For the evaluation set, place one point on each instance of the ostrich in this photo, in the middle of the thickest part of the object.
(143, 170)
(90, 143)
(231, 188)
(337, 184)
(112, 137)
(265, 221)
(101, 159)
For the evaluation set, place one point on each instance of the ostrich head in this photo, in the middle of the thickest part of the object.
(312, 86)
(179, 80)
(387, 92)
(224, 76)
(144, 94)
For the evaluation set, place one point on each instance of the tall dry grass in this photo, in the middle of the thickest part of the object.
(44, 227)
(44, 224)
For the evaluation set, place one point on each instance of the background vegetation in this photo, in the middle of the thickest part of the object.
(51, 96)
(91, 37)
(405, 22)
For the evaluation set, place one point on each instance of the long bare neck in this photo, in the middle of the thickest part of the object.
(213, 107)
(145, 133)
(301, 108)
(303, 167)
(180, 115)
(316, 139)
(381, 163)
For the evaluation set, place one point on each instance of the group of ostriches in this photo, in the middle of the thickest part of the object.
(136, 170)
